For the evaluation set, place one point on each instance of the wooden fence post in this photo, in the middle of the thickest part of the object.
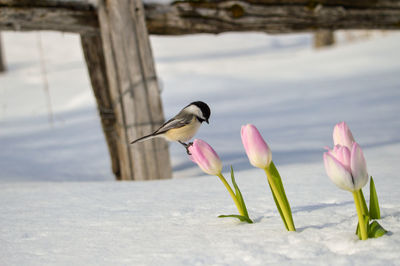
(323, 38)
(93, 51)
(2, 64)
(134, 89)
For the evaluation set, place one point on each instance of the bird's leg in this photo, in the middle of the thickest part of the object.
(186, 146)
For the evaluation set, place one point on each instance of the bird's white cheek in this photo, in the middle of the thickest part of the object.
(193, 109)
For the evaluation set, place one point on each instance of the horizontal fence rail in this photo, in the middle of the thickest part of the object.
(189, 17)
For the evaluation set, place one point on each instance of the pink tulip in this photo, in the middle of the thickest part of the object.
(204, 155)
(346, 167)
(257, 149)
(342, 135)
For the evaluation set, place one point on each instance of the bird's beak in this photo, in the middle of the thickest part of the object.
(207, 121)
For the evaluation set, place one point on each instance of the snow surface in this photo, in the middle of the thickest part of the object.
(59, 204)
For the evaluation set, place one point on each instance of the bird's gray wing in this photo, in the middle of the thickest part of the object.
(178, 121)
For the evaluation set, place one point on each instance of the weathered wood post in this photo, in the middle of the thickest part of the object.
(93, 51)
(134, 90)
(323, 38)
(2, 64)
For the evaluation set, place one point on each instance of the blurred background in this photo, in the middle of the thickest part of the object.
(291, 87)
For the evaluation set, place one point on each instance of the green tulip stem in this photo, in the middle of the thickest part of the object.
(279, 198)
(228, 187)
(361, 221)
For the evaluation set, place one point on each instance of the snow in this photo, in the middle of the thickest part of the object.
(59, 204)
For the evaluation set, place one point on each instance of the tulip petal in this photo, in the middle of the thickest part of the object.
(342, 135)
(338, 173)
(343, 154)
(243, 134)
(257, 149)
(358, 167)
(206, 158)
(191, 152)
(201, 159)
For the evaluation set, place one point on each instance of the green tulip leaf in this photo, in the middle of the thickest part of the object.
(364, 207)
(240, 217)
(358, 233)
(373, 201)
(366, 222)
(239, 194)
(279, 208)
(278, 182)
(376, 230)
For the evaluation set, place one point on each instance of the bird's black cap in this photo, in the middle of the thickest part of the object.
(204, 109)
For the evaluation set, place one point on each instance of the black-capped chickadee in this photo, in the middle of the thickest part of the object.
(183, 126)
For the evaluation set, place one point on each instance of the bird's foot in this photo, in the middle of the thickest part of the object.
(187, 146)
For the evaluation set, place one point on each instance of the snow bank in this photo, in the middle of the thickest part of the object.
(175, 222)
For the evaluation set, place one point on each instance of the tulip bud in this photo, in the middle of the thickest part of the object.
(346, 167)
(206, 158)
(257, 149)
(342, 135)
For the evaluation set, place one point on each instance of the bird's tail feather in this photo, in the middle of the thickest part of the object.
(145, 138)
